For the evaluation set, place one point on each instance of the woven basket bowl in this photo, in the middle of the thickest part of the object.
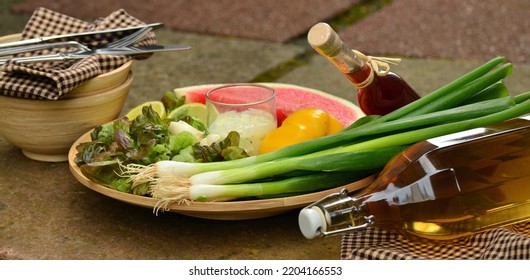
(45, 130)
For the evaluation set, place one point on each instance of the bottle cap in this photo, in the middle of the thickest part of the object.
(311, 222)
(324, 39)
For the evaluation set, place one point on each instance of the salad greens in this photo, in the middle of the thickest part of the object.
(171, 101)
(145, 140)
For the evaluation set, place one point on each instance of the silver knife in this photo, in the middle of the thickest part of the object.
(102, 51)
(71, 36)
(141, 50)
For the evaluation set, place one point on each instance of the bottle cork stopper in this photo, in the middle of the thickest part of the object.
(324, 39)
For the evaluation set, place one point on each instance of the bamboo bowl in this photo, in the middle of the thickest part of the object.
(45, 130)
(102, 83)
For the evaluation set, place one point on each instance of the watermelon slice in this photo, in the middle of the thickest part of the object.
(290, 98)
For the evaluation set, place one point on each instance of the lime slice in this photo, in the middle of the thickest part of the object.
(157, 106)
(197, 110)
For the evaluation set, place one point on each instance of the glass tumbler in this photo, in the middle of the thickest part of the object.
(249, 109)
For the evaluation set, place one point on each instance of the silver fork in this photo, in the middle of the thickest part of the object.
(120, 43)
(130, 39)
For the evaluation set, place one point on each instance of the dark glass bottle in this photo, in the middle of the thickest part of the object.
(439, 189)
(376, 94)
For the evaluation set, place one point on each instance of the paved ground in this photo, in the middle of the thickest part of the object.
(46, 214)
(468, 29)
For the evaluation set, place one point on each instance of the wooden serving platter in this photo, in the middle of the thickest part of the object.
(233, 210)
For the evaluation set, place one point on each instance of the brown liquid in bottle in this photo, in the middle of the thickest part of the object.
(384, 94)
(376, 94)
(440, 193)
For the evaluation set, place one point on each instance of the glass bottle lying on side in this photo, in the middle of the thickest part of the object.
(440, 189)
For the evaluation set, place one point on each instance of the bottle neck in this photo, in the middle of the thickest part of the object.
(351, 63)
(346, 60)
(352, 217)
(352, 66)
(335, 214)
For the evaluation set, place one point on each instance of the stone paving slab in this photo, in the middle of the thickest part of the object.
(461, 29)
(58, 218)
(46, 214)
(272, 20)
(455, 29)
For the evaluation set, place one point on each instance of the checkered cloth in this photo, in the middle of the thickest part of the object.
(509, 243)
(53, 80)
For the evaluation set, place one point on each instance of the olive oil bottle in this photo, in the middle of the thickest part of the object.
(439, 189)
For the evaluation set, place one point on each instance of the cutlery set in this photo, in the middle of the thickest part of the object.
(122, 46)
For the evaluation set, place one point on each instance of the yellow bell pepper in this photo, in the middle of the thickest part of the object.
(302, 125)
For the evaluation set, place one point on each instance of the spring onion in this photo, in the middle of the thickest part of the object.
(362, 156)
(459, 95)
(173, 172)
(285, 186)
(477, 99)
(497, 90)
(330, 172)
(433, 100)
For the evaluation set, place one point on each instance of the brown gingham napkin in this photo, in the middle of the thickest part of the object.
(53, 80)
(508, 243)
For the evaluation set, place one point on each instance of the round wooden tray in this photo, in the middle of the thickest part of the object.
(235, 210)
